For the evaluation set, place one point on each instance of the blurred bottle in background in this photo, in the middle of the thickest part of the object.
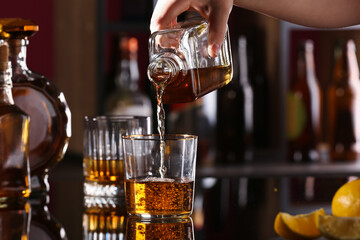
(256, 52)
(344, 104)
(127, 98)
(235, 109)
(303, 108)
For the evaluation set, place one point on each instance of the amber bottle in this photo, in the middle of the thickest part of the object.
(50, 127)
(344, 105)
(303, 109)
(14, 130)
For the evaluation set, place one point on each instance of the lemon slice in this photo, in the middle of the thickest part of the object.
(301, 226)
(342, 228)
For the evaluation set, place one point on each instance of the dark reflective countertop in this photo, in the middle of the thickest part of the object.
(239, 202)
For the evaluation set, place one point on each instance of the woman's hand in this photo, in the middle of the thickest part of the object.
(215, 11)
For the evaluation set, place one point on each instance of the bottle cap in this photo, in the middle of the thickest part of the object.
(18, 27)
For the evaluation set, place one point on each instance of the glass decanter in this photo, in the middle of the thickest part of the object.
(180, 64)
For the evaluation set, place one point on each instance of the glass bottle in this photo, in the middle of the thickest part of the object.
(344, 105)
(50, 128)
(235, 114)
(181, 66)
(127, 99)
(43, 225)
(14, 145)
(303, 108)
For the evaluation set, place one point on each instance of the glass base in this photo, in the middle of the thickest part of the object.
(147, 216)
(99, 189)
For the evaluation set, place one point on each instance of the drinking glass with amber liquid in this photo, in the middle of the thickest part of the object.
(159, 184)
(103, 164)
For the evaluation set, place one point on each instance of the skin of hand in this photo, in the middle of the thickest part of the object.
(312, 13)
(215, 11)
(319, 13)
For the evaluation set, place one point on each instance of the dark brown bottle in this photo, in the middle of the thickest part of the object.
(50, 127)
(344, 105)
(303, 106)
(235, 113)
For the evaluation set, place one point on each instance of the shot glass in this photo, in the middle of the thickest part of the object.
(160, 175)
(103, 164)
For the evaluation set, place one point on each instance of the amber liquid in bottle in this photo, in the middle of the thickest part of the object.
(14, 130)
(159, 197)
(14, 126)
(304, 109)
(50, 127)
(183, 89)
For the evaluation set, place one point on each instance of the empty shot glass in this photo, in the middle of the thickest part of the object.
(103, 164)
(160, 175)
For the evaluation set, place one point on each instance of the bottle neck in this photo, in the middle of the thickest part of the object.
(128, 75)
(6, 96)
(243, 64)
(352, 64)
(17, 48)
(306, 66)
(310, 68)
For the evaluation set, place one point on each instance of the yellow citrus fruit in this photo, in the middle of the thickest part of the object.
(301, 226)
(346, 201)
(341, 228)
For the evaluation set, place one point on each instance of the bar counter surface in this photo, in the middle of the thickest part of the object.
(239, 202)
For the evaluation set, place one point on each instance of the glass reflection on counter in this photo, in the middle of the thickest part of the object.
(43, 224)
(164, 228)
(104, 218)
(15, 221)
